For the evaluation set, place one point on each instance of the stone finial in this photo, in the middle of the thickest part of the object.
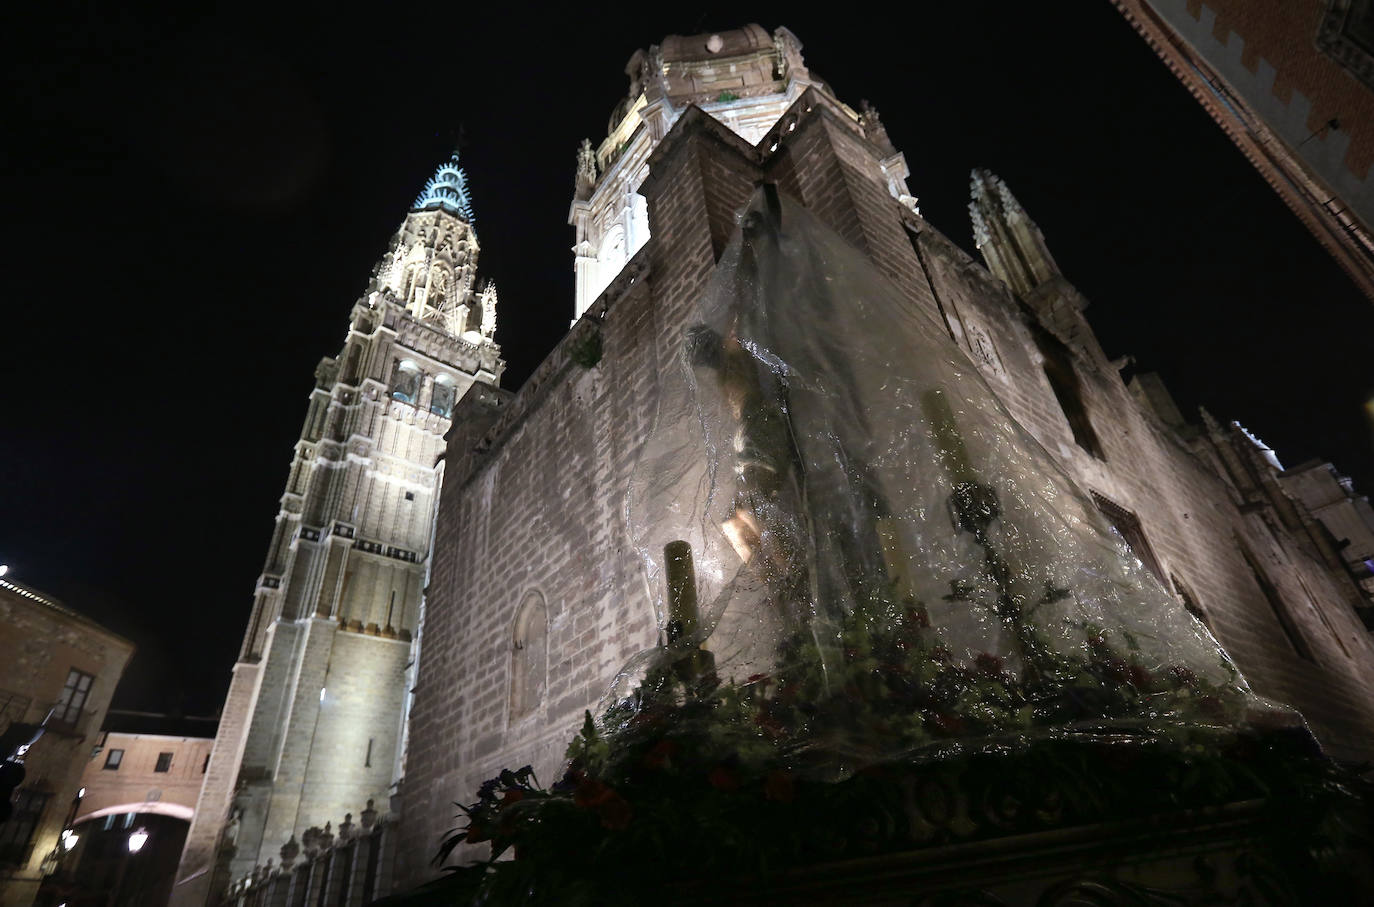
(873, 128)
(586, 171)
(326, 838)
(289, 851)
(310, 839)
(489, 309)
(368, 817)
(346, 827)
(787, 51)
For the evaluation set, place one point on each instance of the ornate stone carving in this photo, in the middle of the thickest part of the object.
(489, 310)
(586, 170)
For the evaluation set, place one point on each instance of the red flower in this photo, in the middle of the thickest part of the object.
(591, 793)
(1116, 669)
(723, 777)
(778, 786)
(659, 754)
(1212, 707)
(615, 813)
(989, 664)
(772, 726)
(1183, 675)
(948, 723)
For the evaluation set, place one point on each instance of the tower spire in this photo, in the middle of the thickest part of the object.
(1010, 241)
(447, 189)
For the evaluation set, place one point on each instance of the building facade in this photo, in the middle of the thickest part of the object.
(134, 783)
(314, 723)
(537, 596)
(1292, 84)
(58, 671)
(160, 773)
(1348, 517)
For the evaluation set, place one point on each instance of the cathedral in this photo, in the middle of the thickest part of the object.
(315, 721)
(451, 581)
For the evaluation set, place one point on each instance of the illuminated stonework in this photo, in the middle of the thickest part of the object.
(313, 726)
(745, 78)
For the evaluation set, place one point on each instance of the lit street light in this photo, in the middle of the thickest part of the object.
(137, 838)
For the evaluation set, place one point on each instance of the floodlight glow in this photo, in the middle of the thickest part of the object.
(81, 793)
(4, 568)
(69, 839)
(137, 838)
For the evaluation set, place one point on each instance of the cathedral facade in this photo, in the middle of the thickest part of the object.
(313, 728)
(536, 596)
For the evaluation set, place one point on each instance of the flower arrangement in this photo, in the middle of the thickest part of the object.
(691, 775)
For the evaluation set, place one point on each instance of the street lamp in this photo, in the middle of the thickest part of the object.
(69, 839)
(137, 838)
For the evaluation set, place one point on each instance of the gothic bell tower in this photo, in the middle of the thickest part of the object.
(314, 723)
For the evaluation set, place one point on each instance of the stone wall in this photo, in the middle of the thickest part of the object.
(42, 642)
(534, 503)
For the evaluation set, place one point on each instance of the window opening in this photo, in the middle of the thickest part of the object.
(1279, 607)
(1321, 615)
(164, 762)
(113, 758)
(441, 402)
(16, 832)
(1068, 390)
(1189, 603)
(73, 698)
(1128, 526)
(405, 383)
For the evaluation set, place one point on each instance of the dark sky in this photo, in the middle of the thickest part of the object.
(195, 201)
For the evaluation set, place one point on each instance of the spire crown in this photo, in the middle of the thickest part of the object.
(447, 189)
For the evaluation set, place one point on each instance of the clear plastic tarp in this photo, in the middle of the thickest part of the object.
(853, 548)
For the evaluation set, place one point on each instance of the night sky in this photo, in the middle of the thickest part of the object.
(195, 201)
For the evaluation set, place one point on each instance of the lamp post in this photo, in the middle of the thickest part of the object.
(137, 838)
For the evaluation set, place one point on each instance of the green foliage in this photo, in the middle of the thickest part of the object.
(882, 741)
(586, 351)
(685, 808)
(726, 96)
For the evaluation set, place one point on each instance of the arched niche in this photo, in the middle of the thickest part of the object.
(445, 393)
(529, 657)
(405, 382)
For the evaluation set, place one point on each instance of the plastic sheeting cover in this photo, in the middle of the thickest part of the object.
(871, 557)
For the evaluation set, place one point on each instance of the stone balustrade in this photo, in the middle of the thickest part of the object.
(348, 865)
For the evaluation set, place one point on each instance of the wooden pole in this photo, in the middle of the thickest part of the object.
(682, 590)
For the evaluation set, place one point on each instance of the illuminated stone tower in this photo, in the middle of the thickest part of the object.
(314, 723)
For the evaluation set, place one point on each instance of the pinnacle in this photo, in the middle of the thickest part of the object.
(447, 189)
